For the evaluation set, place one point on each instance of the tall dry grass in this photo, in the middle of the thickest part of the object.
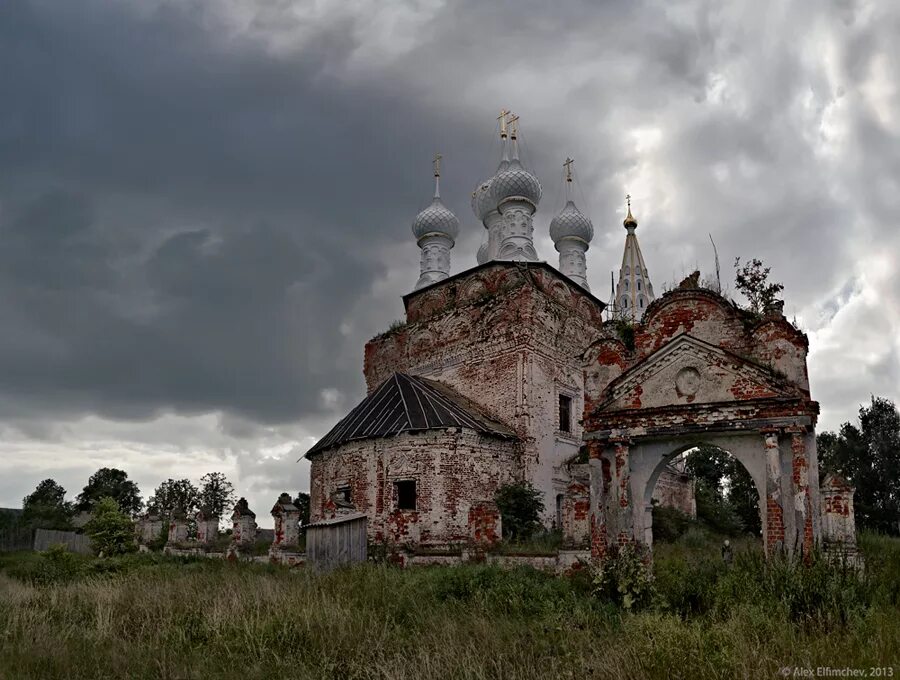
(151, 618)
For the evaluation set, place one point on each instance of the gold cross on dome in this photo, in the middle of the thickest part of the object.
(568, 166)
(514, 124)
(628, 200)
(502, 118)
(437, 164)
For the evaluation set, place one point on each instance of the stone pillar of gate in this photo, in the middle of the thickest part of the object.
(774, 503)
(803, 537)
(599, 481)
(612, 514)
(620, 514)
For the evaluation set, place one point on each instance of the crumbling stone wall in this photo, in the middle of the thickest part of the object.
(509, 336)
(838, 519)
(454, 471)
(675, 489)
(244, 527)
(699, 369)
(287, 522)
(207, 527)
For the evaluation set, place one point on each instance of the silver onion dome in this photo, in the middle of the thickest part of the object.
(482, 255)
(515, 182)
(571, 223)
(482, 203)
(436, 219)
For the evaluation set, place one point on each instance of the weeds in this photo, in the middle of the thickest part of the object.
(149, 616)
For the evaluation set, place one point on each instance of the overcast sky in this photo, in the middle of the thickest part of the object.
(205, 206)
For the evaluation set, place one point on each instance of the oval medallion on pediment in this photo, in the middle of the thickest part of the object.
(687, 381)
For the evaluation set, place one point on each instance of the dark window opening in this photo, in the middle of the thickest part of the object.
(559, 511)
(565, 413)
(343, 493)
(406, 495)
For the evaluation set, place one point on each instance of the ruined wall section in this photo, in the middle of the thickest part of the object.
(770, 341)
(454, 471)
(510, 338)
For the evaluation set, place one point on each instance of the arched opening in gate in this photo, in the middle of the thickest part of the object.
(705, 487)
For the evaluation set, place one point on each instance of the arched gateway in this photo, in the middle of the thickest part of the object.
(700, 370)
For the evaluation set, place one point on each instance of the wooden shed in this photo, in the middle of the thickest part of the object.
(335, 542)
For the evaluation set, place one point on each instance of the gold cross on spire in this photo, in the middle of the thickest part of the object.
(502, 118)
(437, 164)
(568, 166)
(514, 124)
(628, 201)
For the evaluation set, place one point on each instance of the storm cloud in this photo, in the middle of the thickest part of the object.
(205, 207)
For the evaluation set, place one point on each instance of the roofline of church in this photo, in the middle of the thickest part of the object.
(540, 264)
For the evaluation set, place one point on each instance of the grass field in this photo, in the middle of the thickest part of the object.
(150, 617)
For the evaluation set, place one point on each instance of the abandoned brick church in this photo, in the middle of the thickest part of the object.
(514, 370)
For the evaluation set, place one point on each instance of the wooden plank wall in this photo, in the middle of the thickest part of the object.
(77, 543)
(334, 545)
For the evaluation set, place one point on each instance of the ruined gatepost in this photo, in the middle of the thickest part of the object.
(838, 521)
(207, 526)
(149, 528)
(600, 482)
(244, 524)
(178, 528)
(287, 523)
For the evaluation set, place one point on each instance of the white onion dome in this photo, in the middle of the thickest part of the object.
(482, 255)
(516, 182)
(481, 200)
(436, 219)
(571, 223)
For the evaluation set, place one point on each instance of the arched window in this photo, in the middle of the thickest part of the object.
(639, 284)
(627, 270)
(626, 285)
(624, 302)
(641, 302)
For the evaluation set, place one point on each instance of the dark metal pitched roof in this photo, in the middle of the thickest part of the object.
(405, 403)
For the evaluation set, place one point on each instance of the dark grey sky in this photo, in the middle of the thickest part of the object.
(205, 206)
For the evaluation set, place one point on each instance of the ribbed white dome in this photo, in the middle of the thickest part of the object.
(436, 218)
(482, 200)
(482, 256)
(515, 182)
(571, 223)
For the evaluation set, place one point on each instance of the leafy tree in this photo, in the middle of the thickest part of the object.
(869, 457)
(111, 483)
(302, 502)
(708, 464)
(110, 529)
(743, 497)
(172, 494)
(46, 507)
(216, 494)
(753, 281)
(727, 498)
(520, 508)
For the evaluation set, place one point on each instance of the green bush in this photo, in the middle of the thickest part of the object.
(669, 523)
(111, 531)
(625, 578)
(520, 508)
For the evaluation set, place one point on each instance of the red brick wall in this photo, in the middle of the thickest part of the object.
(452, 470)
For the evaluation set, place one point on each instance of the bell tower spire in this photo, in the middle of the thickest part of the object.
(634, 292)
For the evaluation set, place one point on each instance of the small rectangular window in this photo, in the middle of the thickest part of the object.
(406, 495)
(343, 493)
(565, 413)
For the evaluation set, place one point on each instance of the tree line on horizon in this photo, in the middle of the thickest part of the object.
(47, 508)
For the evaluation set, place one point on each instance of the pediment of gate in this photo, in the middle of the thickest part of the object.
(691, 371)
